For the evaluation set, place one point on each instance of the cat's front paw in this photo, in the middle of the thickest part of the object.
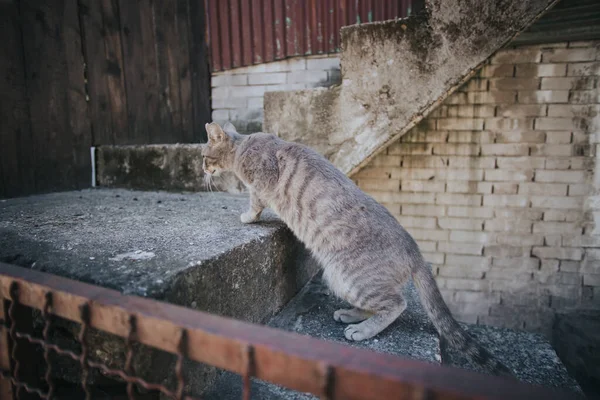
(248, 217)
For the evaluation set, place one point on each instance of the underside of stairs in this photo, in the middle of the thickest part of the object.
(394, 73)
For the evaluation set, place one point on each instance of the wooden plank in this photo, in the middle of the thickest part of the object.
(215, 36)
(168, 58)
(5, 385)
(16, 157)
(258, 32)
(279, 28)
(246, 25)
(199, 70)
(185, 76)
(139, 59)
(235, 30)
(55, 82)
(100, 112)
(224, 31)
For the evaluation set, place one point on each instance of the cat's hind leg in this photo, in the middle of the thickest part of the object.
(349, 316)
(385, 313)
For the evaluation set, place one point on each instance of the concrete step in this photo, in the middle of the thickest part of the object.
(412, 336)
(393, 74)
(186, 249)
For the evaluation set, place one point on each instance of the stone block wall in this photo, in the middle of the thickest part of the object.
(498, 186)
(237, 95)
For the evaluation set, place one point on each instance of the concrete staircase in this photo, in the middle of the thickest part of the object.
(393, 74)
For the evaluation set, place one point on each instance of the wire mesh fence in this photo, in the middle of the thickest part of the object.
(326, 369)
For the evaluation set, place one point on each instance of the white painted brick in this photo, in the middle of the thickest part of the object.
(517, 56)
(379, 184)
(458, 199)
(384, 160)
(256, 102)
(422, 162)
(570, 266)
(474, 85)
(558, 137)
(471, 162)
(514, 84)
(525, 213)
(471, 137)
(434, 258)
(502, 70)
(219, 93)
(557, 202)
(513, 239)
(422, 186)
(521, 137)
(562, 215)
(501, 175)
(408, 221)
(507, 149)
(286, 87)
(468, 187)
(404, 198)
(230, 103)
(425, 245)
(460, 248)
(476, 297)
(551, 265)
(550, 189)
(465, 224)
(464, 284)
(220, 115)
(553, 240)
(535, 70)
(472, 212)
(457, 98)
(425, 135)
(501, 254)
(520, 163)
(410, 148)
(581, 241)
(510, 274)
(507, 225)
(429, 234)
(471, 111)
(558, 163)
(247, 91)
(503, 187)
(413, 173)
(543, 96)
(460, 149)
(561, 253)
(580, 190)
(470, 272)
(561, 176)
(293, 64)
(568, 83)
(467, 262)
(503, 97)
(556, 227)
(323, 63)
(584, 69)
(494, 200)
(226, 79)
(568, 55)
(520, 110)
(306, 76)
(558, 124)
(585, 97)
(267, 78)
(573, 110)
(460, 124)
(424, 210)
(471, 237)
(373, 172)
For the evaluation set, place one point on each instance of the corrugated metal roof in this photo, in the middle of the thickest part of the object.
(569, 20)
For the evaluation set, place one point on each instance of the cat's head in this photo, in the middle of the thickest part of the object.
(218, 153)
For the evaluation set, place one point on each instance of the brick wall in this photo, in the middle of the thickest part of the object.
(237, 95)
(498, 187)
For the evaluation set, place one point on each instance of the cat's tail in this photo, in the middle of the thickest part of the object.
(446, 325)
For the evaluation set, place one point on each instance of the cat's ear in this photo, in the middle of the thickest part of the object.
(215, 132)
(228, 127)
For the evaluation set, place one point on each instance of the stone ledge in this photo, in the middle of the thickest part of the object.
(171, 167)
(186, 249)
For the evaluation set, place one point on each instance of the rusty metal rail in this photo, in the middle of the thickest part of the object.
(326, 369)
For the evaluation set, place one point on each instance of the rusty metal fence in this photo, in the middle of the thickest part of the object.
(326, 369)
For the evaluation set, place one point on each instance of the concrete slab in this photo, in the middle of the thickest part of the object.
(413, 336)
(187, 249)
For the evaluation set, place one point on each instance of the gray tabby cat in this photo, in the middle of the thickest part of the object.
(366, 256)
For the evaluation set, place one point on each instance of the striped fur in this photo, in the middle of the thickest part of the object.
(366, 256)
